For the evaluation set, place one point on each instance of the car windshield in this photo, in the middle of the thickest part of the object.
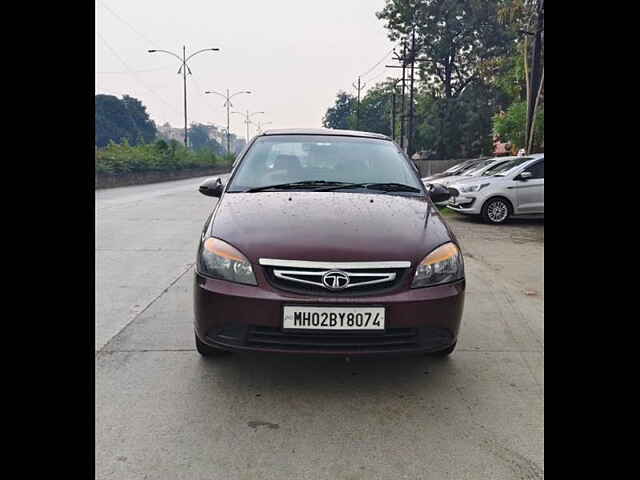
(457, 167)
(309, 162)
(506, 167)
(478, 167)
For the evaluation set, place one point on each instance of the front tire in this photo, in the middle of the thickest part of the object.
(207, 351)
(496, 210)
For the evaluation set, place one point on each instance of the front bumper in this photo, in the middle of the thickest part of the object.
(249, 318)
(464, 204)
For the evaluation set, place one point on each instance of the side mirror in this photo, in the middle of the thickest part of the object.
(524, 176)
(438, 193)
(212, 187)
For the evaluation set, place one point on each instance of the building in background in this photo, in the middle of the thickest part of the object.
(219, 134)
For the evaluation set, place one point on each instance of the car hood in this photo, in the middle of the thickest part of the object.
(472, 180)
(453, 179)
(329, 226)
(436, 176)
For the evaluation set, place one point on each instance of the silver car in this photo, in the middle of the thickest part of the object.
(478, 169)
(515, 188)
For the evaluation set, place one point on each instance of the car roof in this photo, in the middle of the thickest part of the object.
(324, 131)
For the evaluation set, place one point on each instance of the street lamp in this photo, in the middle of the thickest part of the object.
(184, 67)
(247, 119)
(228, 104)
(259, 125)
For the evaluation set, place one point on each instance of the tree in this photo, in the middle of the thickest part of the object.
(117, 120)
(340, 116)
(510, 126)
(453, 38)
(526, 17)
(145, 127)
(461, 47)
(375, 109)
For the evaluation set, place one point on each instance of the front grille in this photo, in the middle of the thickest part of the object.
(335, 279)
(391, 339)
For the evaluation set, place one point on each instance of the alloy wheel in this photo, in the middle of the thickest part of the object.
(497, 211)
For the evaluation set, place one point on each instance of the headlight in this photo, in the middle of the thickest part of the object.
(473, 188)
(442, 265)
(218, 259)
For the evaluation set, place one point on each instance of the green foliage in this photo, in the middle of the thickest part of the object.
(458, 127)
(340, 115)
(375, 109)
(511, 125)
(122, 119)
(454, 37)
(161, 155)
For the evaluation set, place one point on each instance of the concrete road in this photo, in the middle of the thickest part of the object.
(162, 412)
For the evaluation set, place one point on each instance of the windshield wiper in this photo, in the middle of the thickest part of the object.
(293, 185)
(386, 187)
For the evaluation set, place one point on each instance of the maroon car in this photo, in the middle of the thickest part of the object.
(326, 242)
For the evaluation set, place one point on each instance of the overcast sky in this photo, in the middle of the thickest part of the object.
(294, 55)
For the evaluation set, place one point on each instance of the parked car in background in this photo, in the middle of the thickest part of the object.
(478, 169)
(455, 170)
(336, 249)
(515, 188)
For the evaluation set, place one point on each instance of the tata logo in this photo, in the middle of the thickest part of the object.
(335, 280)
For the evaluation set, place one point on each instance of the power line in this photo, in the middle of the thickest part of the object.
(141, 35)
(133, 74)
(375, 78)
(381, 60)
(196, 88)
(134, 71)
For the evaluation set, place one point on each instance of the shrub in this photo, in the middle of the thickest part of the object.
(119, 158)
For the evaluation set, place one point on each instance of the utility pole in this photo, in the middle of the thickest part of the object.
(358, 105)
(406, 60)
(410, 140)
(393, 114)
(227, 103)
(536, 77)
(403, 60)
(402, 110)
(184, 67)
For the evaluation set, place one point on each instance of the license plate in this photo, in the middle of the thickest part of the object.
(333, 318)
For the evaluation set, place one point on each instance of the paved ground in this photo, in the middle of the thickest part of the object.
(162, 412)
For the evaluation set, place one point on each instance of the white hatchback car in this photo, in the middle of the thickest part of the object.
(478, 169)
(516, 188)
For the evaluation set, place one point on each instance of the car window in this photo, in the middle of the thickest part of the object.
(278, 159)
(477, 168)
(507, 167)
(494, 168)
(536, 170)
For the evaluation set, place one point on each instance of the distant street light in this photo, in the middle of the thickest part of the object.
(228, 104)
(184, 67)
(260, 124)
(247, 119)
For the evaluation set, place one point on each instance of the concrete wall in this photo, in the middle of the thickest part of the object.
(139, 178)
(431, 167)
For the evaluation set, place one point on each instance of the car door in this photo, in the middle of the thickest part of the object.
(530, 192)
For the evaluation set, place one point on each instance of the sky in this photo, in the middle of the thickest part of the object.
(293, 55)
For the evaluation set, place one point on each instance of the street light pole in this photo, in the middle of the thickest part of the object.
(247, 119)
(184, 80)
(259, 125)
(228, 104)
(183, 68)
